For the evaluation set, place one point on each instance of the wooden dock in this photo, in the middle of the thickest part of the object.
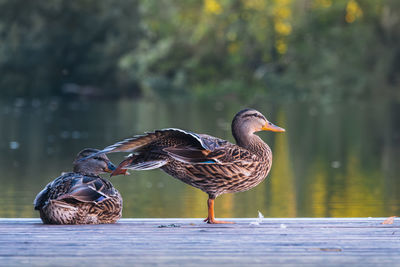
(190, 242)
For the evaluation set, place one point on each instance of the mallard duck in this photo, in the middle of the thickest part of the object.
(81, 196)
(213, 165)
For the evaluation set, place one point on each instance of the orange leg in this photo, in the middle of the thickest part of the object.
(211, 218)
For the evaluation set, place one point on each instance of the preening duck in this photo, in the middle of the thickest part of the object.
(81, 196)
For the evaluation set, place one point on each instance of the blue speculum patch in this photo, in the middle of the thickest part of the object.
(100, 198)
(208, 161)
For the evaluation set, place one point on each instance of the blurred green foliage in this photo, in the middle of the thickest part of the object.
(304, 48)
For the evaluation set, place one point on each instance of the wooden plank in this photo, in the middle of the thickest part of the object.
(190, 242)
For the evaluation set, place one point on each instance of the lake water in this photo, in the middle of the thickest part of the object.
(336, 159)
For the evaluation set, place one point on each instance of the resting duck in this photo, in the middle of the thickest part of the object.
(81, 196)
(213, 165)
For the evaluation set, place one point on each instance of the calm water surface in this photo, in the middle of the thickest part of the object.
(335, 160)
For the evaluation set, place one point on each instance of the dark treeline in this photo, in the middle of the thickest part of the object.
(307, 48)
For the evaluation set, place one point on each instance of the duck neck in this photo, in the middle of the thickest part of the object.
(84, 171)
(252, 142)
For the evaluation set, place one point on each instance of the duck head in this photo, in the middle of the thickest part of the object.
(248, 121)
(95, 165)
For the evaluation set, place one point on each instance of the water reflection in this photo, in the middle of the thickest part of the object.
(335, 160)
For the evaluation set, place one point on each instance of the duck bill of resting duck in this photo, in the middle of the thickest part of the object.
(213, 165)
(81, 196)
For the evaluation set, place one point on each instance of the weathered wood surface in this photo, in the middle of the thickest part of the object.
(190, 242)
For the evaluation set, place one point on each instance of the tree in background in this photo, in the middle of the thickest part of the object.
(306, 48)
(53, 46)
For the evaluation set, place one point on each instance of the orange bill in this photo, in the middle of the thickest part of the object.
(271, 127)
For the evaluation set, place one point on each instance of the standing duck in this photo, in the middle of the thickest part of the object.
(81, 196)
(213, 165)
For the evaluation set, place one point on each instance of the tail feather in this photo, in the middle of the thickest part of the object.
(42, 197)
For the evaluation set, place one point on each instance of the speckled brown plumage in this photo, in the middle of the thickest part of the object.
(81, 197)
(213, 165)
(226, 169)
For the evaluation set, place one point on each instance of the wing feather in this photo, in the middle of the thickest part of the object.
(163, 137)
(83, 193)
(74, 186)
